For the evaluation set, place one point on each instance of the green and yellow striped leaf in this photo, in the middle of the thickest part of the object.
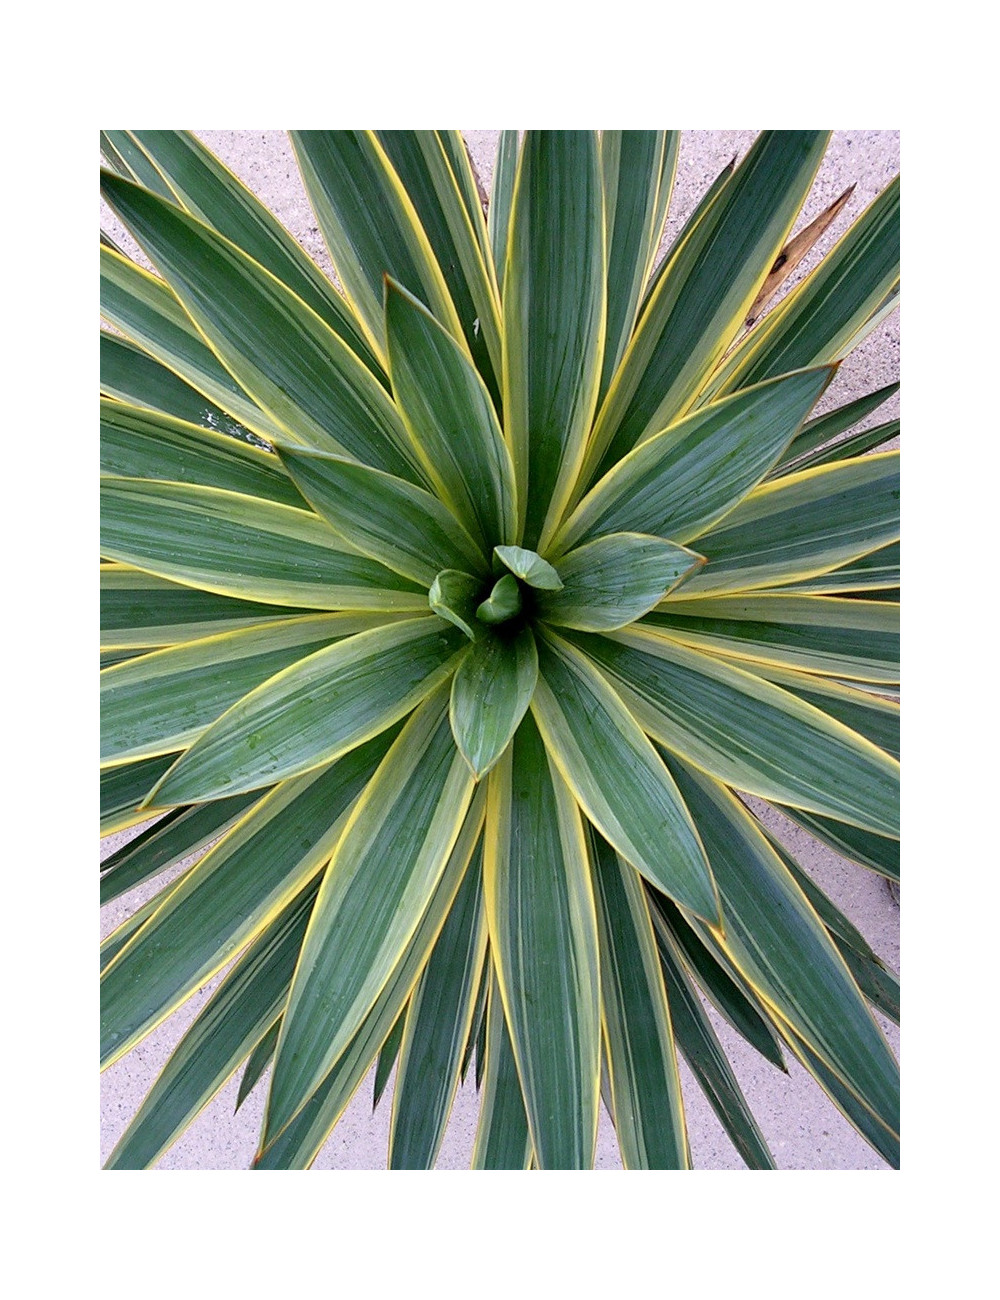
(554, 296)
(700, 302)
(132, 376)
(874, 575)
(124, 791)
(502, 1137)
(315, 388)
(148, 312)
(704, 1053)
(719, 981)
(424, 162)
(138, 444)
(645, 1085)
(616, 775)
(838, 638)
(386, 518)
(140, 611)
(614, 580)
(300, 1141)
(502, 198)
(239, 1013)
(683, 479)
(381, 878)
(638, 173)
(490, 693)
(243, 546)
(179, 834)
(817, 321)
(748, 732)
(163, 701)
(230, 895)
(543, 937)
(349, 177)
(438, 1024)
(802, 525)
(208, 190)
(777, 941)
(316, 710)
(451, 419)
(824, 428)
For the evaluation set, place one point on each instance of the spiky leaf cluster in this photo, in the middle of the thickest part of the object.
(457, 607)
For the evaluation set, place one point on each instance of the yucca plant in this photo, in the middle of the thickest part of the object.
(468, 610)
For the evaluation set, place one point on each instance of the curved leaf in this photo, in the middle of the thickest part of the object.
(489, 695)
(319, 708)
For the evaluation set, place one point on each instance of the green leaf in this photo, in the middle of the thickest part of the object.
(388, 519)
(543, 937)
(230, 895)
(291, 362)
(700, 302)
(502, 198)
(879, 985)
(128, 160)
(871, 716)
(824, 428)
(381, 877)
(699, 211)
(553, 320)
(821, 316)
(387, 1058)
(209, 191)
(348, 177)
(147, 311)
(454, 596)
(615, 580)
(162, 701)
(299, 1143)
(874, 575)
(879, 852)
(132, 376)
(704, 1054)
(503, 602)
(437, 1028)
(638, 171)
(124, 791)
(451, 420)
(257, 1062)
(177, 835)
(241, 1010)
(843, 638)
(502, 1138)
(489, 695)
(645, 1085)
(856, 445)
(618, 778)
(423, 163)
(316, 710)
(140, 611)
(780, 945)
(747, 732)
(245, 547)
(529, 567)
(803, 525)
(720, 982)
(143, 444)
(680, 481)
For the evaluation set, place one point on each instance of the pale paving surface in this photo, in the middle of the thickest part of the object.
(803, 1129)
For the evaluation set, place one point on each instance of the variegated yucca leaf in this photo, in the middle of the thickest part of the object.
(458, 617)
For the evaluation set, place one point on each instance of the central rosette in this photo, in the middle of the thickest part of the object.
(506, 602)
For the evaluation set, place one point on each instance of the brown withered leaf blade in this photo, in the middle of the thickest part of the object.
(793, 253)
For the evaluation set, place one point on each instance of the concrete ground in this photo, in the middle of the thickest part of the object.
(803, 1129)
